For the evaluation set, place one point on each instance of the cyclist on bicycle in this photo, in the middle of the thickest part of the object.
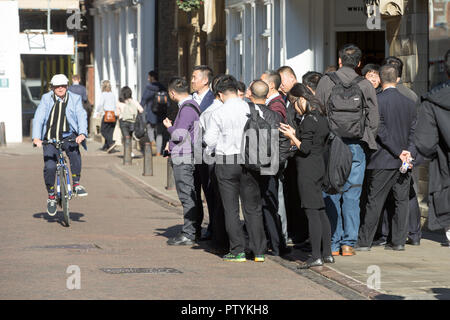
(60, 115)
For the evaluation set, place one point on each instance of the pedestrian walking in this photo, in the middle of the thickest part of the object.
(155, 128)
(310, 138)
(358, 132)
(127, 110)
(106, 108)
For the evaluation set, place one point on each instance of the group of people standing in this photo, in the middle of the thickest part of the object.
(274, 206)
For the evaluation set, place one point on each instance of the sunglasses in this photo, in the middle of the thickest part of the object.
(60, 86)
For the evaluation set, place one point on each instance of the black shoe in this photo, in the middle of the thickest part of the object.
(379, 243)
(311, 263)
(445, 244)
(180, 240)
(400, 247)
(412, 242)
(328, 259)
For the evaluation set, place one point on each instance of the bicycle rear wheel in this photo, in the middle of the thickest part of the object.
(64, 196)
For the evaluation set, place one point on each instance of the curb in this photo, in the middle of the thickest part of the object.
(148, 188)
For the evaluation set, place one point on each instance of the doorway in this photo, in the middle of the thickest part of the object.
(371, 43)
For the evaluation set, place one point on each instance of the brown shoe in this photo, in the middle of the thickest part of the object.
(348, 251)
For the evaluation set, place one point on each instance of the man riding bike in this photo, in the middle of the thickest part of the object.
(60, 115)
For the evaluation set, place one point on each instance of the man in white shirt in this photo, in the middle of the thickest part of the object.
(225, 135)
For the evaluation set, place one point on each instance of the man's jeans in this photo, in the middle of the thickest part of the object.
(345, 220)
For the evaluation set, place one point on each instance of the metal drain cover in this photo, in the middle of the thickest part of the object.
(69, 246)
(140, 270)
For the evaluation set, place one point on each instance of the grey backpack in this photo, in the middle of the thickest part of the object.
(346, 108)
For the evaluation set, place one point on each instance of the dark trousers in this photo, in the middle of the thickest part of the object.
(107, 131)
(184, 184)
(214, 202)
(268, 186)
(198, 192)
(127, 128)
(319, 233)
(297, 222)
(414, 220)
(380, 183)
(234, 182)
(51, 158)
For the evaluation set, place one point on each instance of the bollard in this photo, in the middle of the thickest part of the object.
(2, 134)
(127, 151)
(170, 178)
(148, 160)
(31, 128)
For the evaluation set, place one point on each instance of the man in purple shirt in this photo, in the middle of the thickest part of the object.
(182, 133)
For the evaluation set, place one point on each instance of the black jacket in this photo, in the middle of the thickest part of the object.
(395, 130)
(432, 140)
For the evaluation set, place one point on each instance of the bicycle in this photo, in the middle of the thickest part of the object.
(64, 190)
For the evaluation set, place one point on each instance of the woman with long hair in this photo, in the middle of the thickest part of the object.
(309, 138)
(107, 109)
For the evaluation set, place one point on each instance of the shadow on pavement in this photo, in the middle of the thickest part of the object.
(169, 232)
(441, 293)
(438, 236)
(74, 217)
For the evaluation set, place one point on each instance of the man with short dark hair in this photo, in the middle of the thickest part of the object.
(371, 72)
(241, 90)
(200, 83)
(224, 134)
(79, 89)
(155, 128)
(288, 79)
(274, 100)
(182, 135)
(344, 218)
(395, 142)
(311, 80)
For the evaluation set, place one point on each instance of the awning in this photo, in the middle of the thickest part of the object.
(44, 4)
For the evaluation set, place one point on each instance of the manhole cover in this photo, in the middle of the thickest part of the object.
(140, 270)
(69, 246)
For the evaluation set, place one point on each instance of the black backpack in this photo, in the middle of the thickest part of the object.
(160, 103)
(284, 144)
(346, 108)
(140, 126)
(252, 150)
(338, 161)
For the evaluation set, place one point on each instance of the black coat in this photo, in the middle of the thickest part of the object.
(312, 132)
(395, 130)
(432, 138)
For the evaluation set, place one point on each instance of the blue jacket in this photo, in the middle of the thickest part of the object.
(80, 90)
(207, 101)
(147, 100)
(75, 113)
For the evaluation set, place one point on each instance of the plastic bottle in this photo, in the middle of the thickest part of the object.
(405, 165)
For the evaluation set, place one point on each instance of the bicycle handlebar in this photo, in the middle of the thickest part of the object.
(55, 142)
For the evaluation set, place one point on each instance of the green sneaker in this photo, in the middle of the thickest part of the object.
(240, 257)
(259, 258)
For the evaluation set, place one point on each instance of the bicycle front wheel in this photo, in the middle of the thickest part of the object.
(64, 196)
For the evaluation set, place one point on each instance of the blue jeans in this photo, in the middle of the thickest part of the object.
(344, 219)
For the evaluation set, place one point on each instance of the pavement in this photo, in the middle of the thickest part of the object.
(125, 222)
(419, 272)
(115, 247)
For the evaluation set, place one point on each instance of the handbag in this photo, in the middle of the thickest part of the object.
(109, 117)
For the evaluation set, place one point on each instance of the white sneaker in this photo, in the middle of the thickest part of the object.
(133, 155)
(51, 207)
(80, 191)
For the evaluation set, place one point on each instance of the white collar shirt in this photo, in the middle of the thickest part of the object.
(199, 97)
(271, 98)
(189, 97)
(226, 127)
